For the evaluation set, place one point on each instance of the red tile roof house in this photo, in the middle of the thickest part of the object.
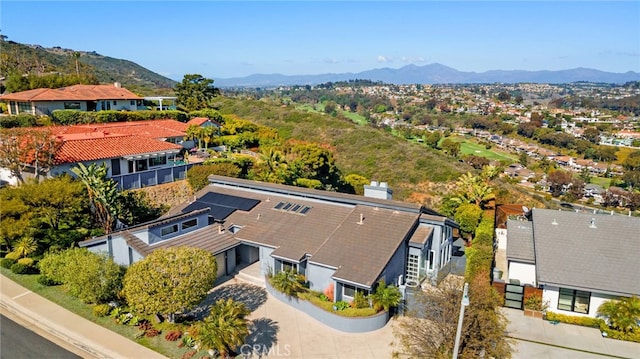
(346, 241)
(138, 154)
(44, 101)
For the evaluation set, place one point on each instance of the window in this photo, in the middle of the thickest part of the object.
(431, 254)
(72, 105)
(169, 230)
(350, 290)
(132, 102)
(413, 267)
(24, 107)
(141, 165)
(190, 223)
(157, 161)
(289, 266)
(574, 300)
(115, 103)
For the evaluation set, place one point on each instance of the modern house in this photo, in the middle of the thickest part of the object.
(44, 101)
(580, 260)
(138, 154)
(346, 241)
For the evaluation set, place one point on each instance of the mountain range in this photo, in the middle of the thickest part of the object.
(433, 74)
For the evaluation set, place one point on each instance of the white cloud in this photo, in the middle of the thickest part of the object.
(384, 59)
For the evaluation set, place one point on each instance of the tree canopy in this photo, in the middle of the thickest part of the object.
(170, 280)
(195, 92)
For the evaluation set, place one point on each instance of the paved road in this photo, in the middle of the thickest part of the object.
(20, 342)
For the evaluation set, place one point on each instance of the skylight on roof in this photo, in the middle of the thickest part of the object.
(292, 207)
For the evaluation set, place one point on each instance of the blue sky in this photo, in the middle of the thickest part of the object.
(220, 39)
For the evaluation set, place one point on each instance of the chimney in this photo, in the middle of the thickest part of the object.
(378, 190)
(117, 85)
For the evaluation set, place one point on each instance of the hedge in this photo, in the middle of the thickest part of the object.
(74, 117)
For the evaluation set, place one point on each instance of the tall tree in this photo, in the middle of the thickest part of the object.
(195, 92)
(558, 181)
(170, 280)
(103, 193)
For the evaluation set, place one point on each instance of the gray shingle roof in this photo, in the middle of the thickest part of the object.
(207, 238)
(573, 254)
(520, 241)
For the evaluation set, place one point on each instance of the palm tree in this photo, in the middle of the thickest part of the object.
(193, 134)
(622, 314)
(385, 296)
(207, 134)
(472, 189)
(103, 193)
(225, 328)
(25, 246)
(76, 55)
(287, 282)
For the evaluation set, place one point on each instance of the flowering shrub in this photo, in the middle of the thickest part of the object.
(329, 292)
(173, 335)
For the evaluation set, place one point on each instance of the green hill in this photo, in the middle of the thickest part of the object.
(35, 59)
(370, 152)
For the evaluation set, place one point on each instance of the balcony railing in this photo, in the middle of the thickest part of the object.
(152, 177)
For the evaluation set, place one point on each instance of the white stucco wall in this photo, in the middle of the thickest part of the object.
(5, 175)
(551, 294)
(524, 272)
(501, 237)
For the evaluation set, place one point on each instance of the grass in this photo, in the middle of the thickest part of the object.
(357, 118)
(472, 148)
(58, 295)
(601, 181)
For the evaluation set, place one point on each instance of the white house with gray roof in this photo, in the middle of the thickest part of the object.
(580, 260)
(342, 240)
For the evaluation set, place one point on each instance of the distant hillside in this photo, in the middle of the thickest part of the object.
(37, 59)
(434, 74)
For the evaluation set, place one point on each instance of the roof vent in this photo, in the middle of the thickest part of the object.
(554, 222)
(361, 219)
(592, 224)
(220, 229)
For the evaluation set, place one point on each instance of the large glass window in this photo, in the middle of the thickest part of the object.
(190, 223)
(350, 290)
(72, 105)
(157, 161)
(413, 267)
(574, 300)
(168, 230)
(24, 107)
(289, 266)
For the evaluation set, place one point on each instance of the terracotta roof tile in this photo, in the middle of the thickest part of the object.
(75, 92)
(88, 149)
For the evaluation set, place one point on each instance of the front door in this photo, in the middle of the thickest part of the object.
(513, 296)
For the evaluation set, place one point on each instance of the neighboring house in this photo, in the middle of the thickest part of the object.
(344, 240)
(579, 260)
(138, 154)
(204, 122)
(44, 101)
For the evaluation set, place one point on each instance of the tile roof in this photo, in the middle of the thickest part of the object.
(329, 233)
(573, 254)
(89, 149)
(520, 241)
(71, 93)
(151, 129)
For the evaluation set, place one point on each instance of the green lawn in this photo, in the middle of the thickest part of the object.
(471, 148)
(601, 181)
(359, 119)
(58, 295)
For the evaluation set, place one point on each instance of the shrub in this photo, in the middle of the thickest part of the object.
(46, 281)
(173, 335)
(359, 301)
(341, 305)
(324, 297)
(576, 320)
(26, 261)
(153, 332)
(7, 262)
(101, 310)
(13, 255)
(533, 301)
(328, 292)
(19, 268)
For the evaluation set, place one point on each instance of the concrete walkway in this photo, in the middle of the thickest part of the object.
(92, 340)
